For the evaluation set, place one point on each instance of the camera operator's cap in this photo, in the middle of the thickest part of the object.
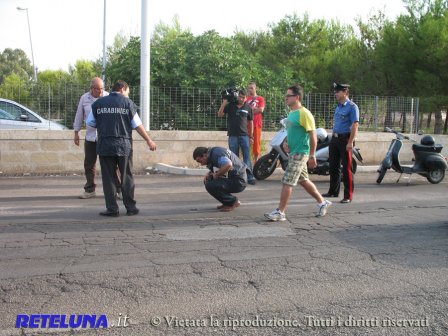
(340, 87)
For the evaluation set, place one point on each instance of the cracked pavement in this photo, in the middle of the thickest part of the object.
(372, 267)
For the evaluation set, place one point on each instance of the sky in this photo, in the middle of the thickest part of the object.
(64, 31)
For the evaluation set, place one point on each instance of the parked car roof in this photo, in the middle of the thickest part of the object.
(16, 116)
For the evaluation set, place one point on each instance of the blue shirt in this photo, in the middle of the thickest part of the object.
(219, 156)
(345, 115)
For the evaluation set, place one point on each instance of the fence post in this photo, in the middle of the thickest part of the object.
(376, 114)
(417, 115)
(49, 105)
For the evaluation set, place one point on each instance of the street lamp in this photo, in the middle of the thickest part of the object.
(31, 43)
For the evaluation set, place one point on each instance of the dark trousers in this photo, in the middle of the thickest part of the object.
(221, 189)
(90, 167)
(109, 166)
(339, 154)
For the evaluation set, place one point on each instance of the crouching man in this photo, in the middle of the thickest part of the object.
(227, 175)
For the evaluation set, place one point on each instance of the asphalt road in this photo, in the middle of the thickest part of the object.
(378, 266)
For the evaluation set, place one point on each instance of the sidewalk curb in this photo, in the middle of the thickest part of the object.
(367, 169)
(169, 169)
(166, 168)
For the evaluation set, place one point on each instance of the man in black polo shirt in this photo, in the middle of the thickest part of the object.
(114, 117)
(227, 175)
(239, 128)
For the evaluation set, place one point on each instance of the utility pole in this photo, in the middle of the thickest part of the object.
(104, 43)
(31, 42)
(145, 56)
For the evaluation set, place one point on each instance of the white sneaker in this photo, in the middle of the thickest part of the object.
(322, 211)
(119, 196)
(275, 215)
(86, 195)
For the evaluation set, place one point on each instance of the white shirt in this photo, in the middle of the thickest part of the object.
(83, 111)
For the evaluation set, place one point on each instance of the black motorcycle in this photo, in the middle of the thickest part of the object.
(428, 161)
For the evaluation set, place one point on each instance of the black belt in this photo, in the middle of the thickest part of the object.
(341, 135)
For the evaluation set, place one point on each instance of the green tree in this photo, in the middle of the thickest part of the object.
(14, 88)
(83, 71)
(414, 54)
(54, 77)
(15, 61)
(180, 61)
(367, 74)
(124, 63)
(300, 50)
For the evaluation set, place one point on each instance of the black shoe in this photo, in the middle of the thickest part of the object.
(132, 212)
(110, 213)
(252, 182)
(329, 195)
(346, 200)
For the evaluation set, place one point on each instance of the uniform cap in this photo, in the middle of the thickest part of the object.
(340, 87)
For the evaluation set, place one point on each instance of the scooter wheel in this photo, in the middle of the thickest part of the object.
(436, 176)
(264, 167)
(382, 172)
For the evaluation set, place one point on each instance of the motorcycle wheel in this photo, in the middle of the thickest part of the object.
(262, 168)
(382, 172)
(436, 176)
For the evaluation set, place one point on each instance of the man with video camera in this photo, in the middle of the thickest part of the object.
(239, 125)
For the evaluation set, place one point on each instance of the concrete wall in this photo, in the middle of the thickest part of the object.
(38, 152)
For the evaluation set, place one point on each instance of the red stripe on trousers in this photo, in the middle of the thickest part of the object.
(350, 173)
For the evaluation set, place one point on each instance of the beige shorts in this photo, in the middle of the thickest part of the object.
(297, 170)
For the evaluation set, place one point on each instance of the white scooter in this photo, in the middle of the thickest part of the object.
(267, 164)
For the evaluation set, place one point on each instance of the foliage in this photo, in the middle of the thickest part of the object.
(436, 104)
(83, 72)
(125, 63)
(406, 57)
(15, 62)
(53, 78)
(14, 88)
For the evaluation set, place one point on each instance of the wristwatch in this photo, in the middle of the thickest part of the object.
(312, 156)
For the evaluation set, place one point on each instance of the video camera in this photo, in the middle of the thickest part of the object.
(230, 94)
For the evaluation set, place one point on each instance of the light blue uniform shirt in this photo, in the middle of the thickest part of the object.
(344, 116)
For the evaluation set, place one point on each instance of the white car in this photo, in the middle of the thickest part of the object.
(16, 116)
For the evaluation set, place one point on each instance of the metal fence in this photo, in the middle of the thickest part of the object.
(196, 108)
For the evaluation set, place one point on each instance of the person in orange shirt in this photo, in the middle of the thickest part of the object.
(257, 103)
